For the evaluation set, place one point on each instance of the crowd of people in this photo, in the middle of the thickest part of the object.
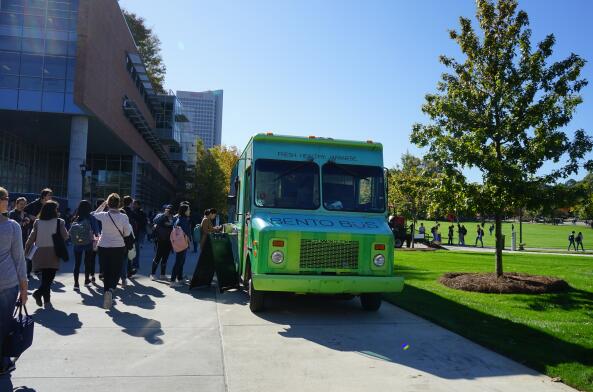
(34, 236)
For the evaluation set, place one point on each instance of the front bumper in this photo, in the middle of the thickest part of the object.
(328, 284)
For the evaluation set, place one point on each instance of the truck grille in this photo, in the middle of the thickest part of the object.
(329, 254)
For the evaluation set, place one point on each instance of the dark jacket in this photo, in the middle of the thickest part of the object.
(184, 223)
(34, 208)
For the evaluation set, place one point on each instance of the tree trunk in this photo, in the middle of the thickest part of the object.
(521, 226)
(498, 253)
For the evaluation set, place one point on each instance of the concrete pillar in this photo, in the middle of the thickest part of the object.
(79, 129)
(135, 163)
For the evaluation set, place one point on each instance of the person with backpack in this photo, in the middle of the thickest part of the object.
(44, 256)
(579, 241)
(462, 234)
(163, 225)
(571, 241)
(83, 230)
(180, 238)
(139, 232)
(480, 234)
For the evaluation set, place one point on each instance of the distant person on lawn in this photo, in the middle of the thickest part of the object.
(571, 241)
(579, 241)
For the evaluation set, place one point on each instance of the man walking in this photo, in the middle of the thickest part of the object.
(450, 235)
(571, 241)
(579, 241)
(33, 209)
(480, 234)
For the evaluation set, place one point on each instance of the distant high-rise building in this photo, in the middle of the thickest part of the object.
(204, 111)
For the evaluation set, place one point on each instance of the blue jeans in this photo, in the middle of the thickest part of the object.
(177, 273)
(7, 301)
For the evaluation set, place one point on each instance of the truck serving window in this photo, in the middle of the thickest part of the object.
(353, 188)
(286, 184)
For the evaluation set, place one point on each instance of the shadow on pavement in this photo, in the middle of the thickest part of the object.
(137, 326)
(23, 389)
(343, 326)
(58, 321)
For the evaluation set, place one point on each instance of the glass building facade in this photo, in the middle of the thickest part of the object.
(38, 55)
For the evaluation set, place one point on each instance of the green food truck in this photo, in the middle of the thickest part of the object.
(309, 217)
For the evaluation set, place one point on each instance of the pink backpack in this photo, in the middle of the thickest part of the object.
(179, 239)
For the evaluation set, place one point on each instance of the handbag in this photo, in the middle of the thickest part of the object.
(128, 240)
(20, 336)
(60, 244)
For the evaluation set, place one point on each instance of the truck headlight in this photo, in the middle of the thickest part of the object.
(277, 257)
(379, 260)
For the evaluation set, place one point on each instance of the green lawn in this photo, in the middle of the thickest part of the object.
(535, 235)
(552, 333)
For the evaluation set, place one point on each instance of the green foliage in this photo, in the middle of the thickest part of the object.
(503, 109)
(149, 48)
(212, 176)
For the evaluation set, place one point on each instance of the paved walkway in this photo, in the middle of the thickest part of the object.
(162, 339)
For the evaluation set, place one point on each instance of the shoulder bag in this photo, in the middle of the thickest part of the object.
(128, 240)
(59, 243)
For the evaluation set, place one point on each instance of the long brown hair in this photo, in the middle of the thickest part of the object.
(49, 211)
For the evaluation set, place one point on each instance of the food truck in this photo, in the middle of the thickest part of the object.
(309, 216)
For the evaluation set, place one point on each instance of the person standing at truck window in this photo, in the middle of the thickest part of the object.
(207, 226)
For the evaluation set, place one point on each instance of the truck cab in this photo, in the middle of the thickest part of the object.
(310, 218)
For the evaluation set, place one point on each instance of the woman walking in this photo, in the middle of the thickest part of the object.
(82, 233)
(112, 249)
(13, 274)
(45, 258)
(182, 221)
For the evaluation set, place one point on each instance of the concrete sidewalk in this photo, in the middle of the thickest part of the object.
(161, 339)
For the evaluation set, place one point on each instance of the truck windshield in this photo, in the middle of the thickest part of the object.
(286, 184)
(353, 188)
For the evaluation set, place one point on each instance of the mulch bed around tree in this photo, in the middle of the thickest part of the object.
(509, 283)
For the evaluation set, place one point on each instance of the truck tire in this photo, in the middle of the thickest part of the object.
(370, 302)
(256, 298)
(398, 243)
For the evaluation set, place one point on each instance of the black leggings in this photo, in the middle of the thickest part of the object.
(112, 260)
(47, 277)
(89, 264)
(163, 249)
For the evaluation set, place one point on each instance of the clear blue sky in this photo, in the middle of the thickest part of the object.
(334, 68)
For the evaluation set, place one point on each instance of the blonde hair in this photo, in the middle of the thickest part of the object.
(3, 192)
(113, 200)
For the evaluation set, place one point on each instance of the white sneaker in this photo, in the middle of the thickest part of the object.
(152, 277)
(173, 284)
(107, 299)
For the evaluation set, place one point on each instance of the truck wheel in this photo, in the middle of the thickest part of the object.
(398, 243)
(370, 302)
(256, 298)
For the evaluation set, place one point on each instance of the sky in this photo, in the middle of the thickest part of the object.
(344, 69)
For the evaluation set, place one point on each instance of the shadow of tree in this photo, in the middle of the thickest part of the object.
(529, 346)
(573, 299)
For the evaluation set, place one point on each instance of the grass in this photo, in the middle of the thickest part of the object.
(551, 333)
(535, 235)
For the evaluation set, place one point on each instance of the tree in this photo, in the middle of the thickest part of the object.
(149, 48)
(212, 176)
(503, 109)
